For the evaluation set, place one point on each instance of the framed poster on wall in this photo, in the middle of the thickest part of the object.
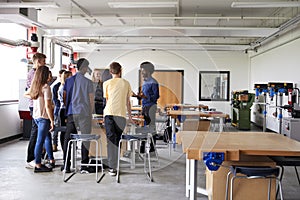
(214, 85)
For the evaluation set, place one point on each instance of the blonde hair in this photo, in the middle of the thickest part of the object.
(64, 76)
(93, 74)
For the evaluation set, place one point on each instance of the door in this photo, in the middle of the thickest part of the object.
(170, 86)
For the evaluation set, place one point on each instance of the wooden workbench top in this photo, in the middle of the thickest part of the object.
(235, 144)
(197, 113)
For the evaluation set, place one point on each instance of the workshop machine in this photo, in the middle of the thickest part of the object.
(241, 103)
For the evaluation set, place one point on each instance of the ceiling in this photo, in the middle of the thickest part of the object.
(87, 25)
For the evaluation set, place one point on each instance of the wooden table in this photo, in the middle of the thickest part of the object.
(235, 145)
(185, 106)
(136, 108)
(209, 114)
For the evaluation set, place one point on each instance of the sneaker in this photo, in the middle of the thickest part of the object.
(43, 168)
(51, 165)
(30, 165)
(87, 170)
(112, 172)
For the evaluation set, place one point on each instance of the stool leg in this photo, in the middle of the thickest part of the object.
(280, 178)
(96, 165)
(65, 166)
(227, 184)
(297, 174)
(118, 166)
(100, 156)
(280, 188)
(269, 188)
(155, 150)
(149, 173)
(231, 188)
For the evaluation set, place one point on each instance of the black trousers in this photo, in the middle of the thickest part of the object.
(32, 139)
(63, 118)
(114, 126)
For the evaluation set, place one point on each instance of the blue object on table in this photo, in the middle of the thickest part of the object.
(213, 160)
(181, 118)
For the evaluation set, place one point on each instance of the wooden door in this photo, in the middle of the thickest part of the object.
(170, 86)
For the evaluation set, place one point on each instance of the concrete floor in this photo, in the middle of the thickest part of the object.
(17, 182)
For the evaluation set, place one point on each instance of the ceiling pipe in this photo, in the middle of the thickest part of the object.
(62, 44)
(15, 43)
(282, 29)
(68, 16)
(85, 11)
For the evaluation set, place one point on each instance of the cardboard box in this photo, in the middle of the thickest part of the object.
(100, 130)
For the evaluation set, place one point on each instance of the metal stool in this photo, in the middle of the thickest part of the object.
(253, 173)
(147, 138)
(282, 161)
(83, 138)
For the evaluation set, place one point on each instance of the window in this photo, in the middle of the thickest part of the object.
(214, 85)
(12, 69)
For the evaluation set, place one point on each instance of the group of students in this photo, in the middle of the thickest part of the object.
(78, 99)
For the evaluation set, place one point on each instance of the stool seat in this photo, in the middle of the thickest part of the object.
(85, 137)
(256, 171)
(286, 160)
(135, 137)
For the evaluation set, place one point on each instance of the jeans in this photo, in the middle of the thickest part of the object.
(43, 136)
(84, 123)
(114, 126)
(32, 139)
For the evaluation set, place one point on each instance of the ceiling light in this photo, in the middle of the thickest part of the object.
(29, 5)
(272, 4)
(141, 4)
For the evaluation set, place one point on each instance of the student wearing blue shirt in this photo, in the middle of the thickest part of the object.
(149, 95)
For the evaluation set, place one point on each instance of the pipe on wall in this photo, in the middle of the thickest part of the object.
(15, 43)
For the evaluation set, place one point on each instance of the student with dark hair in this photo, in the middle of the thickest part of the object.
(79, 102)
(40, 92)
(117, 92)
(149, 96)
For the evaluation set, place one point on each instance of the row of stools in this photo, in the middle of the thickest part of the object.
(142, 135)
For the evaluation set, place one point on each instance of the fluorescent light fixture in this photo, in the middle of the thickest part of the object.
(143, 4)
(267, 4)
(29, 5)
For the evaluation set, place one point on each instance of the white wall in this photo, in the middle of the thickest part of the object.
(10, 122)
(190, 61)
(281, 64)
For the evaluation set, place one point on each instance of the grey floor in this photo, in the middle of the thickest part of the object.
(18, 182)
